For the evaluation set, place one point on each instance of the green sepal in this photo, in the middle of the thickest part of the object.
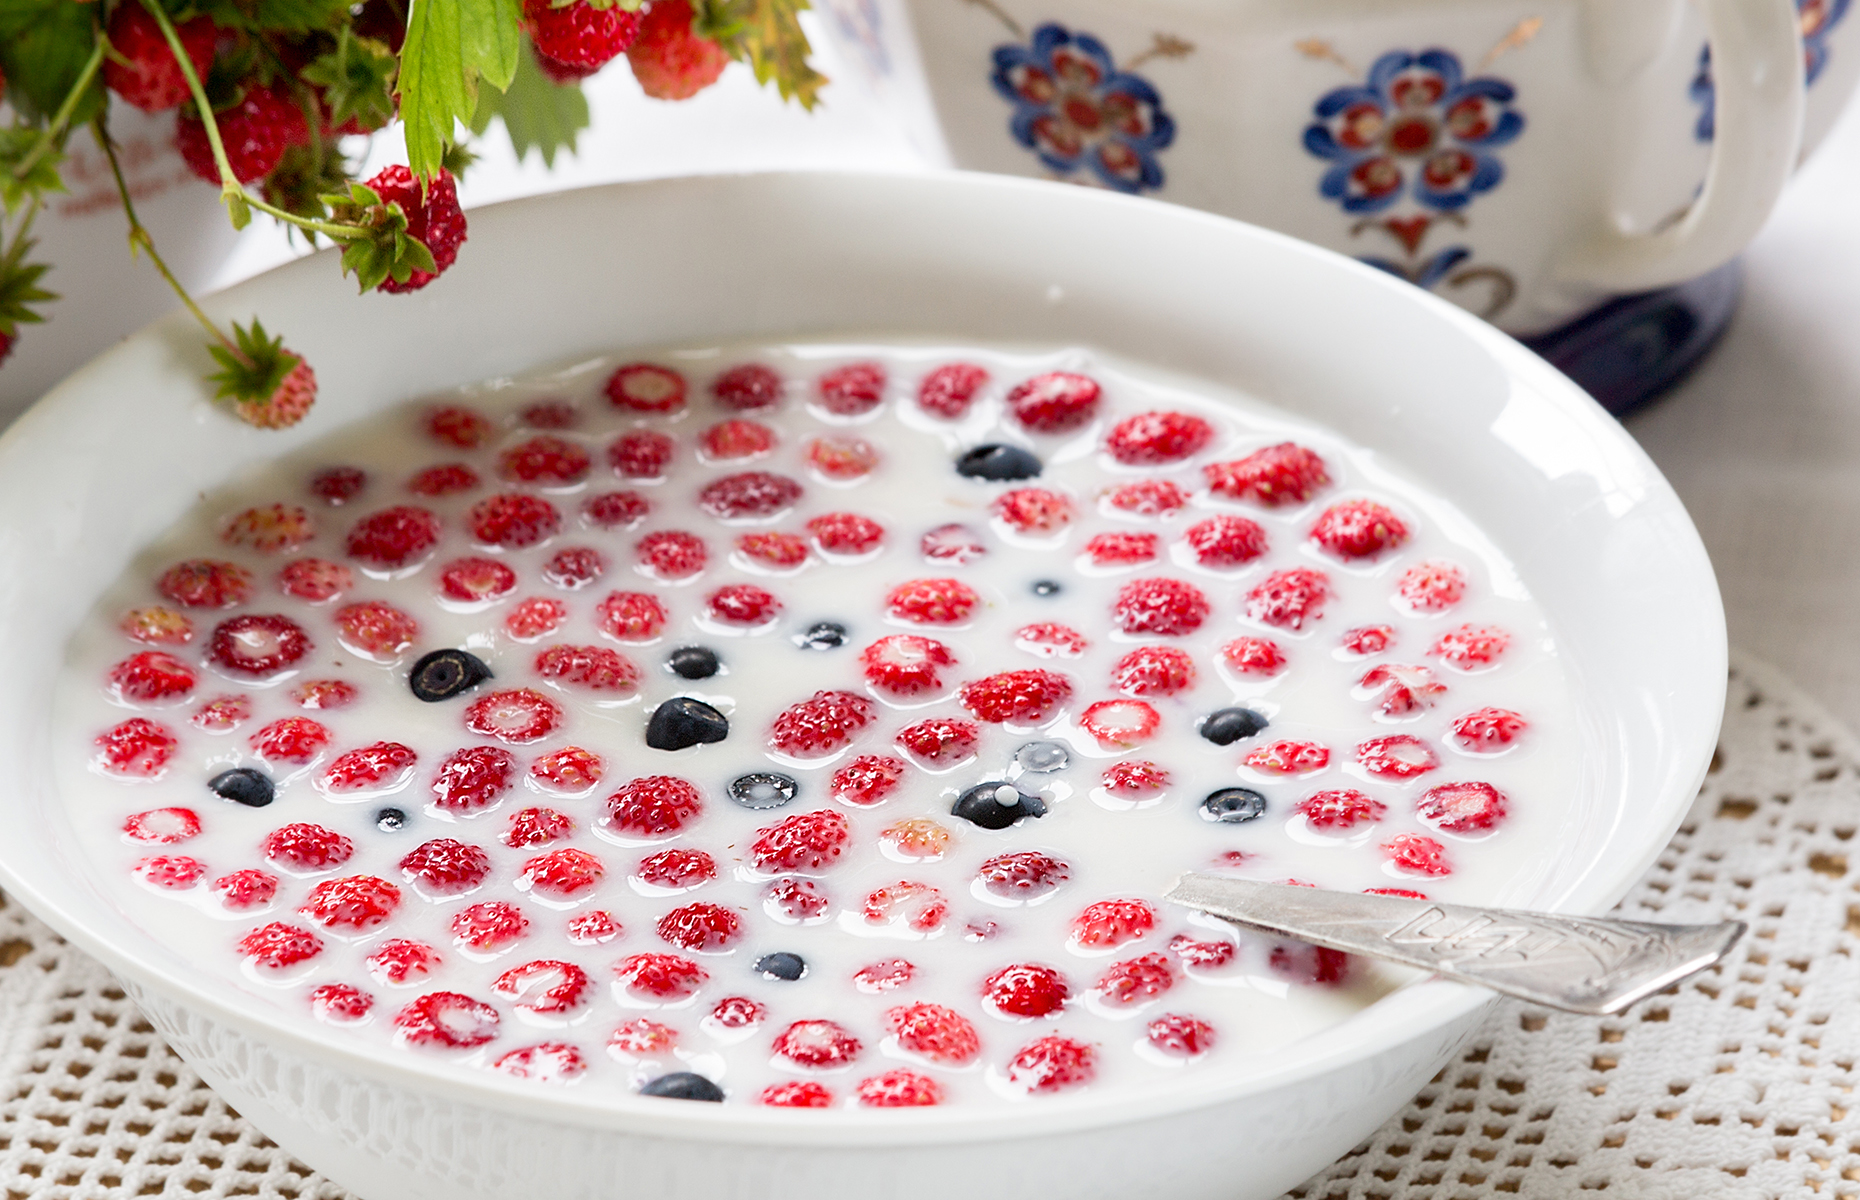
(254, 374)
(766, 34)
(357, 78)
(305, 174)
(17, 143)
(20, 290)
(389, 251)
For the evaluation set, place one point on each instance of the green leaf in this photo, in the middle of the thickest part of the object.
(44, 45)
(538, 112)
(357, 78)
(273, 16)
(767, 35)
(303, 177)
(450, 45)
(16, 145)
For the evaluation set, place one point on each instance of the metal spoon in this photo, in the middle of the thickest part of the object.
(1578, 964)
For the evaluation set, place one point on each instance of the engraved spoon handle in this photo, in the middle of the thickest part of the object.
(1578, 964)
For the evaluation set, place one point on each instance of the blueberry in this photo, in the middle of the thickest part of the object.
(1047, 587)
(693, 662)
(682, 721)
(444, 674)
(998, 462)
(1225, 726)
(781, 965)
(683, 1085)
(1232, 806)
(390, 819)
(762, 789)
(996, 805)
(822, 635)
(1043, 757)
(244, 785)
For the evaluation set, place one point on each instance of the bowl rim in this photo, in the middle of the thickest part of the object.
(1420, 1010)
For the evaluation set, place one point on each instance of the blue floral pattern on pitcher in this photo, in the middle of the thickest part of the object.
(1416, 127)
(1077, 112)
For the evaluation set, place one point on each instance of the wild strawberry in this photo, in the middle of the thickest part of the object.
(1128, 780)
(1056, 402)
(1225, 542)
(803, 843)
(170, 872)
(394, 537)
(1026, 697)
(702, 928)
(1340, 808)
(535, 618)
(551, 414)
(1431, 587)
(1396, 757)
(458, 427)
(1412, 854)
(748, 387)
(1035, 512)
(821, 725)
(749, 496)
(1289, 758)
(157, 626)
(1205, 955)
(222, 714)
(279, 945)
(1472, 648)
(357, 903)
(1461, 807)
(934, 1032)
(932, 602)
(289, 400)
(1120, 724)
(472, 779)
(677, 870)
(663, 977)
(594, 668)
(1110, 923)
(336, 486)
(1052, 1064)
(939, 743)
(1289, 599)
(1154, 671)
(476, 582)
(1120, 549)
(1366, 640)
(544, 460)
(536, 827)
(315, 579)
(795, 901)
(271, 529)
(852, 390)
(255, 132)
(593, 928)
(867, 780)
(512, 520)
(1278, 475)
(340, 1003)
(956, 545)
(652, 807)
(846, 535)
(546, 1062)
(489, 928)
(516, 716)
(447, 1019)
(1401, 691)
(841, 457)
(570, 771)
(906, 665)
(772, 551)
(822, 1045)
(642, 1038)
(1153, 438)
(433, 217)
(1358, 529)
(1026, 990)
(136, 749)
(1487, 730)
(1167, 607)
(401, 962)
(948, 391)
(1145, 498)
(1253, 656)
(291, 740)
(375, 630)
(915, 839)
(735, 439)
(615, 510)
(445, 867)
(143, 69)
(1049, 639)
(669, 59)
(1023, 876)
(743, 605)
(206, 583)
(1180, 1036)
(635, 617)
(562, 874)
(646, 388)
(380, 767)
(796, 1094)
(258, 647)
(640, 454)
(151, 677)
(162, 826)
(1134, 981)
(247, 889)
(671, 554)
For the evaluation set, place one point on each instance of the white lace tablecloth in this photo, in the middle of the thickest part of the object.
(1737, 1084)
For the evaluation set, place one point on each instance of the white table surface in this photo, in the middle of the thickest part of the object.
(1763, 442)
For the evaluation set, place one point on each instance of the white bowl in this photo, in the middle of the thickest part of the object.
(124, 447)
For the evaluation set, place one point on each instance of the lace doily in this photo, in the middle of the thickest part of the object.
(1736, 1084)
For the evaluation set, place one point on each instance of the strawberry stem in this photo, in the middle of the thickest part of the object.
(230, 190)
(53, 132)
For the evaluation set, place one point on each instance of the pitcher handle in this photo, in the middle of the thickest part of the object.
(1757, 71)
